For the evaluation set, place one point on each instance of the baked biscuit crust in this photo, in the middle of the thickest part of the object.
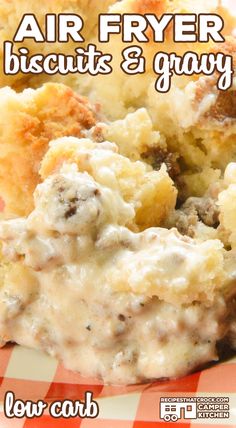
(28, 121)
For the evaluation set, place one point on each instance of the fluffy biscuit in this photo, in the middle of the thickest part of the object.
(28, 121)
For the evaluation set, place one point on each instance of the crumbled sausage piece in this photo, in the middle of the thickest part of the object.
(206, 209)
(193, 211)
(157, 156)
(70, 212)
(186, 223)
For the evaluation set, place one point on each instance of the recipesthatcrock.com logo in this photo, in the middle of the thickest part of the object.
(174, 408)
